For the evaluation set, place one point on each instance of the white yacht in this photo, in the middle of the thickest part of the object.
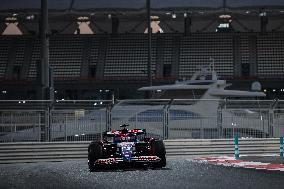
(194, 109)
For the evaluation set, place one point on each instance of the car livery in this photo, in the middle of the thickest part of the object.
(126, 149)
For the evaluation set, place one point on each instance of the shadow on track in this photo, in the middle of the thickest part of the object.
(120, 169)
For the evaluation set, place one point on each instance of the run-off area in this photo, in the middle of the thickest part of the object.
(179, 173)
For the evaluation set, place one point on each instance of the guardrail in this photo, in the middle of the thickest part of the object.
(28, 152)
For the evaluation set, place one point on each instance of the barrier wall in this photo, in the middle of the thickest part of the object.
(27, 152)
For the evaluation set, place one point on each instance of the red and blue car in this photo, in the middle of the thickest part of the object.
(126, 147)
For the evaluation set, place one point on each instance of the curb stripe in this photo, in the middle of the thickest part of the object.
(232, 162)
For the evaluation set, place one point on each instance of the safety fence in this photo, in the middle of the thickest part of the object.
(167, 119)
(19, 152)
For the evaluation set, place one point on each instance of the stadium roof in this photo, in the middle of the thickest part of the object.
(135, 5)
(65, 12)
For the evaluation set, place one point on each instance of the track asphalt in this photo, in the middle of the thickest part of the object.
(179, 173)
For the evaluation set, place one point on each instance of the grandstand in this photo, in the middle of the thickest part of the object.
(91, 55)
(244, 38)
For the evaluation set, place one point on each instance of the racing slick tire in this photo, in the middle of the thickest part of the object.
(158, 148)
(95, 152)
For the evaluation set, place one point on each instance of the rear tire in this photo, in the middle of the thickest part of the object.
(158, 148)
(95, 152)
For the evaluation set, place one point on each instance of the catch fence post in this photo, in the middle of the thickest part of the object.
(165, 122)
(39, 126)
(236, 142)
(65, 128)
(108, 118)
(101, 127)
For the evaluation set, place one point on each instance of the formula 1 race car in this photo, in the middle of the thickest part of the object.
(126, 147)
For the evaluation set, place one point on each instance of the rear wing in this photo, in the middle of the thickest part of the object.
(112, 133)
(137, 131)
(119, 132)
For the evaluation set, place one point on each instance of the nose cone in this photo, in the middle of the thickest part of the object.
(126, 152)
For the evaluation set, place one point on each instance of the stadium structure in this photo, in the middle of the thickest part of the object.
(101, 47)
(103, 51)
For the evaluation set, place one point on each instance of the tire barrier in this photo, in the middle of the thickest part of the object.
(28, 152)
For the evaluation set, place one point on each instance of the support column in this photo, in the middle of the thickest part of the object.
(160, 57)
(187, 24)
(237, 56)
(11, 59)
(253, 54)
(166, 122)
(220, 121)
(86, 58)
(175, 58)
(100, 67)
(45, 71)
(27, 58)
(149, 70)
(166, 119)
(44, 50)
(108, 118)
(263, 21)
(114, 24)
(271, 124)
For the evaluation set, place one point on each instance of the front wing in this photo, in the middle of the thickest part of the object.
(139, 159)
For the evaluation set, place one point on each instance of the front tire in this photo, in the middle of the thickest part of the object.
(95, 152)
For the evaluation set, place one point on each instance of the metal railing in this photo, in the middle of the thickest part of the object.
(29, 152)
(168, 119)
